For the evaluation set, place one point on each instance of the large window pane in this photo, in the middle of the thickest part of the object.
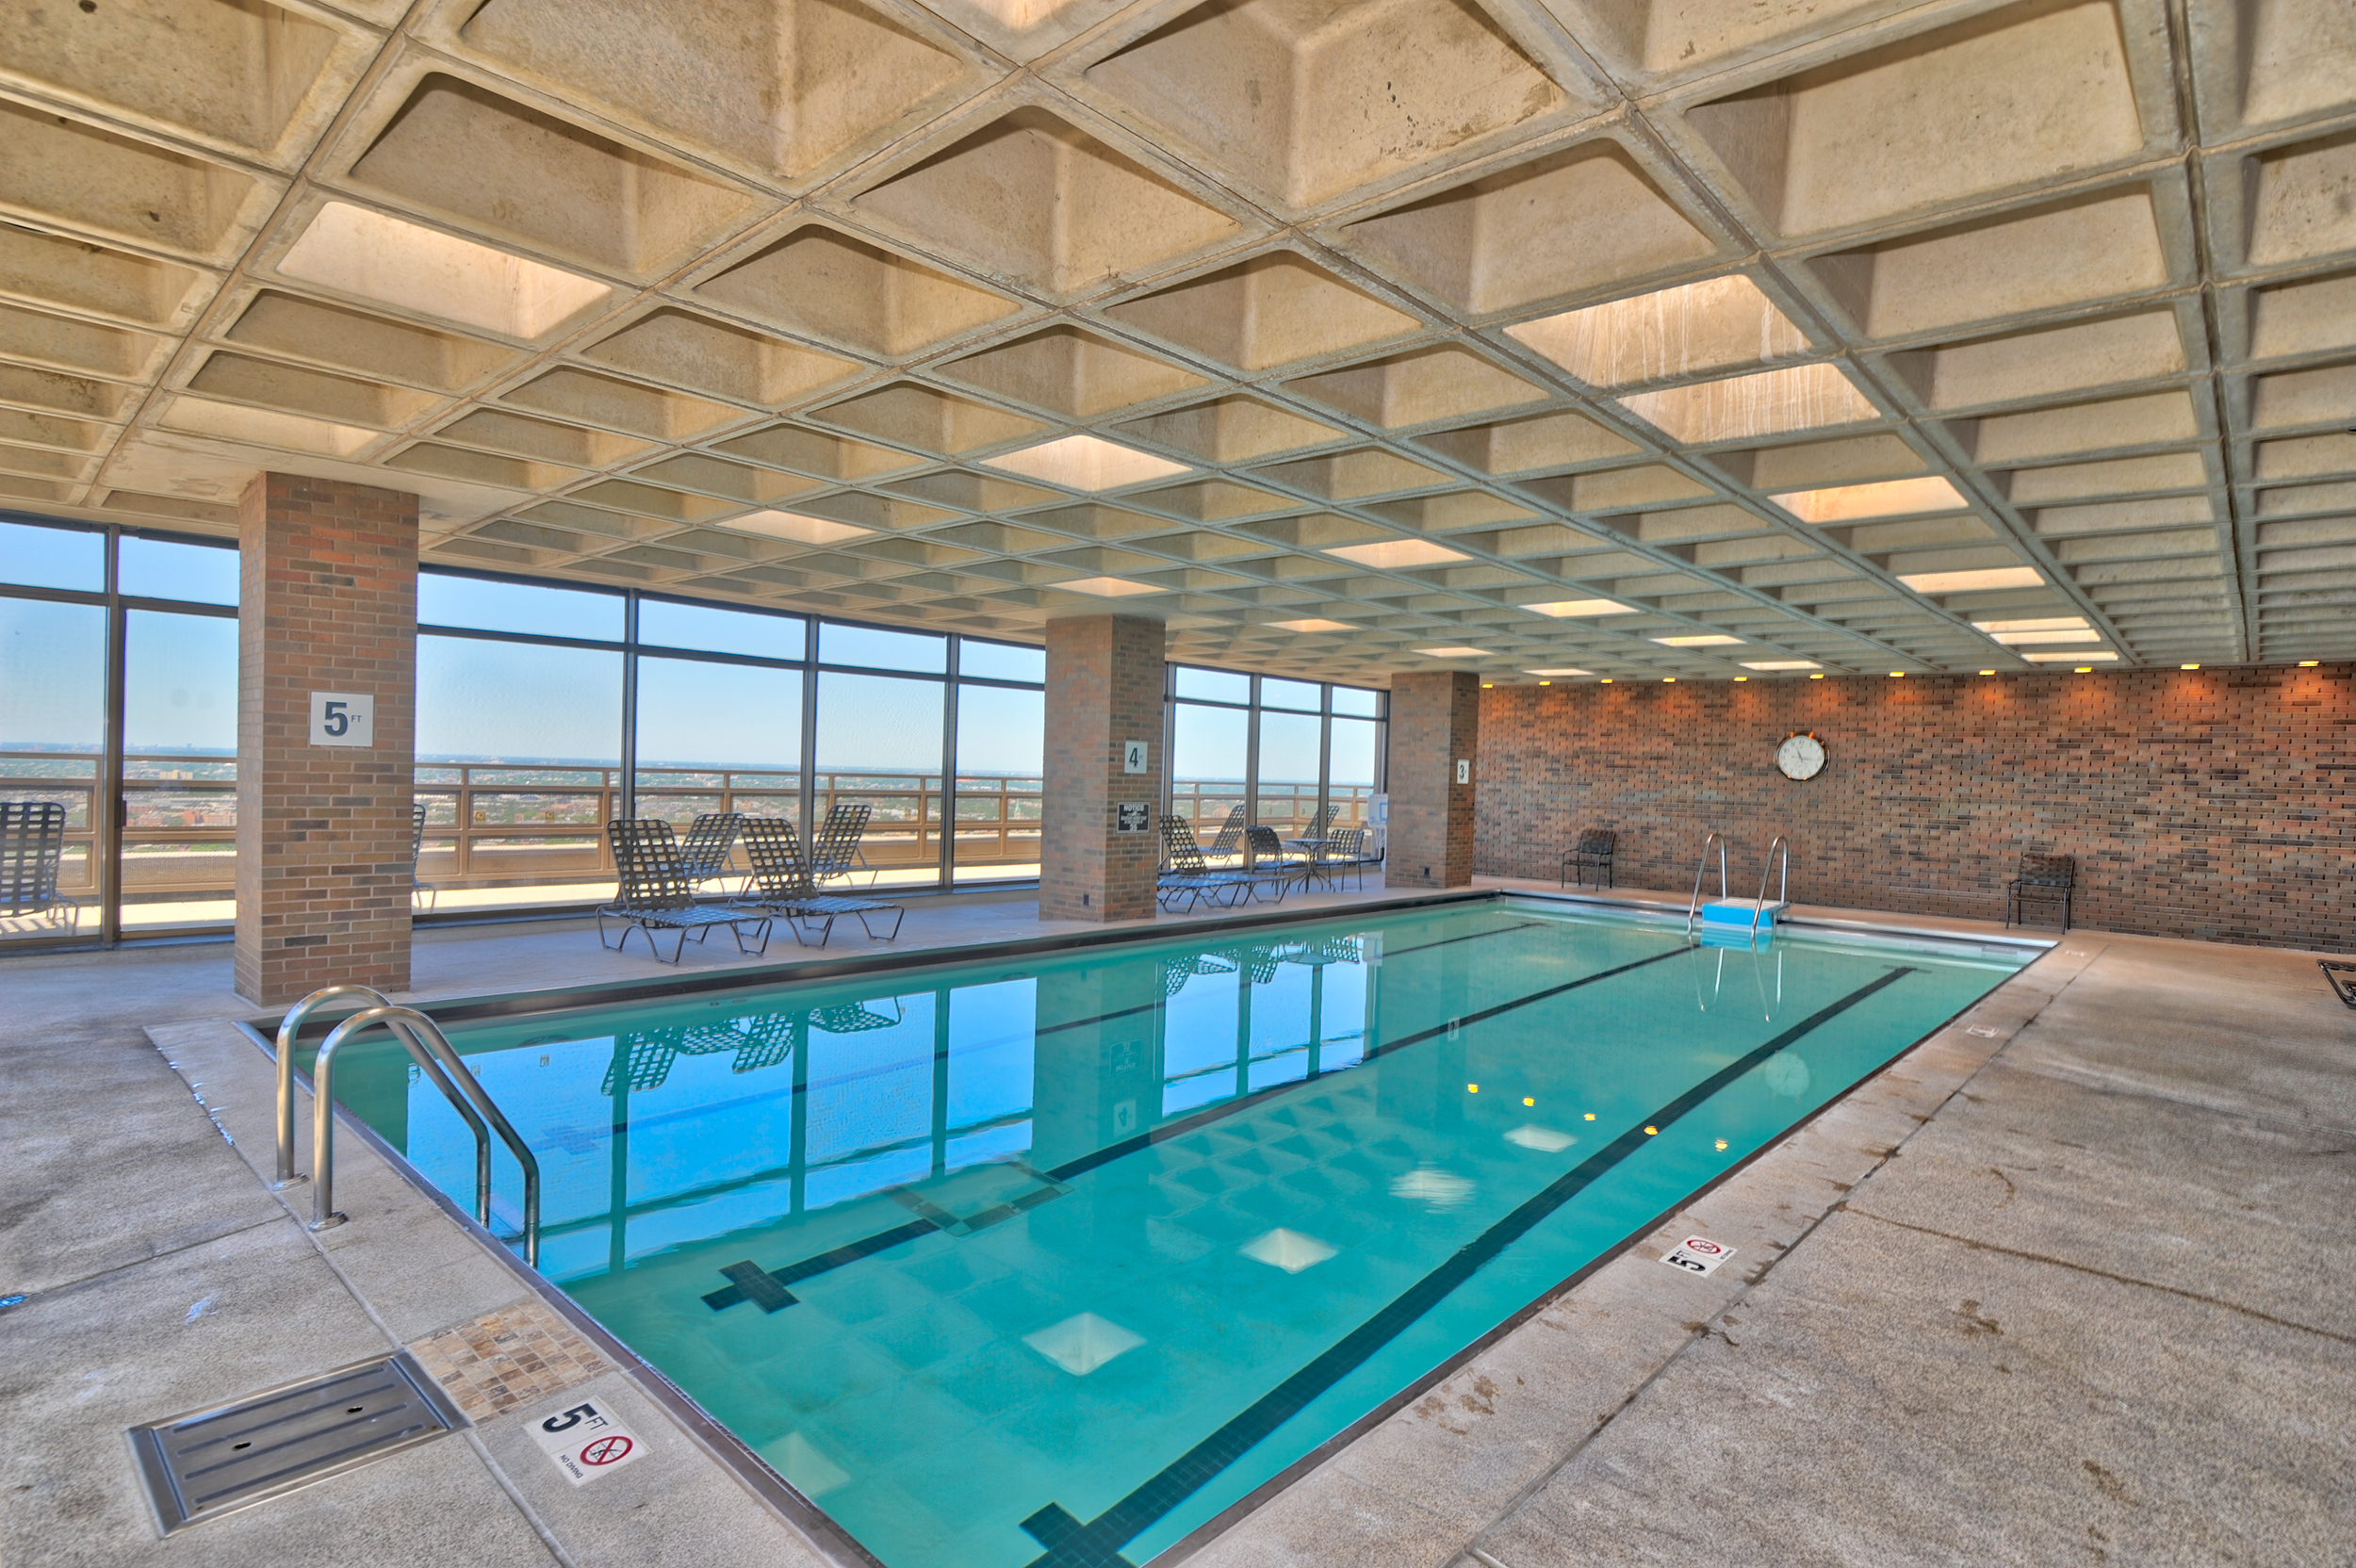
(879, 741)
(522, 606)
(168, 569)
(718, 738)
(1002, 661)
(179, 770)
(519, 767)
(1002, 744)
(53, 685)
(1206, 763)
(701, 626)
(1350, 777)
(1288, 785)
(882, 650)
(1298, 695)
(1358, 701)
(1213, 685)
(53, 557)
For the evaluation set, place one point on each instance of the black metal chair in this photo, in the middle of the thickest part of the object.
(703, 854)
(781, 884)
(1268, 864)
(1591, 854)
(418, 886)
(2047, 879)
(1337, 853)
(655, 893)
(835, 849)
(32, 855)
(1188, 875)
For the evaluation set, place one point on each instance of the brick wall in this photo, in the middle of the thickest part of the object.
(1435, 719)
(1104, 687)
(329, 598)
(2210, 803)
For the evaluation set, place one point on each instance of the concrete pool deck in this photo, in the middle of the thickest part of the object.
(2068, 1283)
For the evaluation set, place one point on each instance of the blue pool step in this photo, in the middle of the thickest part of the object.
(1740, 911)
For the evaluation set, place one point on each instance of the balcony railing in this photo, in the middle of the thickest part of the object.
(1286, 808)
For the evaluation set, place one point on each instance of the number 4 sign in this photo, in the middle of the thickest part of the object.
(343, 719)
(586, 1443)
(1698, 1256)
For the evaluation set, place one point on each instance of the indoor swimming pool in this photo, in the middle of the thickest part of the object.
(1048, 1261)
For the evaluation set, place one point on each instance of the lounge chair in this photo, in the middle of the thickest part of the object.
(835, 849)
(2047, 879)
(1189, 876)
(1228, 844)
(782, 884)
(32, 853)
(656, 894)
(703, 854)
(418, 887)
(1592, 854)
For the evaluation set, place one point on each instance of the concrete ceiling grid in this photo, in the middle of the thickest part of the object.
(1979, 334)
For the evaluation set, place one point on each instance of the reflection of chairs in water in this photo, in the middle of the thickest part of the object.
(32, 851)
(758, 1042)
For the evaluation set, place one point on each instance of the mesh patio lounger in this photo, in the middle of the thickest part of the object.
(782, 886)
(656, 895)
(1228, 845)
(834, 849)
(1592, 854)
(703, 854)
(1189, 876)
(418, 885)
(32, 851)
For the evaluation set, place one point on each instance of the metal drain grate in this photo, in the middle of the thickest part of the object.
(216, 1461)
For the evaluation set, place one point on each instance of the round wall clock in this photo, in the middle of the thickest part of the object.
(1800, 757)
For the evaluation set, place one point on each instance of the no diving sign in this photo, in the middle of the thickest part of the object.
(586, 1443)
(1698, 1256)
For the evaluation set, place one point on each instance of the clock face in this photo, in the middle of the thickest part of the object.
(1800, 757)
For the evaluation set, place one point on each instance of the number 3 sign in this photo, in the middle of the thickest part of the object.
(343, 719)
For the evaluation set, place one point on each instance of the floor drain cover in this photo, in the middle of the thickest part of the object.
(216, 1461)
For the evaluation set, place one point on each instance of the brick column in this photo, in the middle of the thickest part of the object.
(1435, 723)
(1103, 689)
(328, 603)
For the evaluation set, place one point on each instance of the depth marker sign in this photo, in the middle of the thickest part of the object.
(586, 1443)
(1698, 1256)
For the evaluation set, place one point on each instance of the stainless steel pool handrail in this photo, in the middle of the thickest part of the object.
(1783, 888)
(1702, 869)
(417, 1033)
(289, 1028)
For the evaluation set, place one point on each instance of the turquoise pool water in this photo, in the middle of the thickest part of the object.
(1047, 1262)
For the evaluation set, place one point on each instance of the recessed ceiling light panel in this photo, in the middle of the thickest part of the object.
(1110, 587)
(1392, 553)
(1848, 503)
(408, 265)
(1454, 653)
(1704, 640)
(1087, 463)
(1310, 624)
(1561, 609)
(1973, 583)
(793, 526)
(1558, 674)
(1779, 664)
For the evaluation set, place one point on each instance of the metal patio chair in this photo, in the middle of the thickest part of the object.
(32, 853)
(655, 895)
(703, 854)
(1591, 854)
(1189, 876)
(783, 884)
(1268, 864)
(1339, 854)
(418, 886)
(835, 849)
(2047, 879)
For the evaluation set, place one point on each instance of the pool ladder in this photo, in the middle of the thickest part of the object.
(1780, 848)
(436, 1059)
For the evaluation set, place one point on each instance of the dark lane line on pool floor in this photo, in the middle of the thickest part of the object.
(767, 1289)
(1097, 1544)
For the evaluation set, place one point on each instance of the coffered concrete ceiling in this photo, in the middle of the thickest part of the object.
(1635, 337)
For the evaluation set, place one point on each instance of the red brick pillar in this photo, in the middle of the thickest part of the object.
(327, 613)
(1103, 691)
(1435, 728)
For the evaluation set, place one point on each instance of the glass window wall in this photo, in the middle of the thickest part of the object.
(1271, 752)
